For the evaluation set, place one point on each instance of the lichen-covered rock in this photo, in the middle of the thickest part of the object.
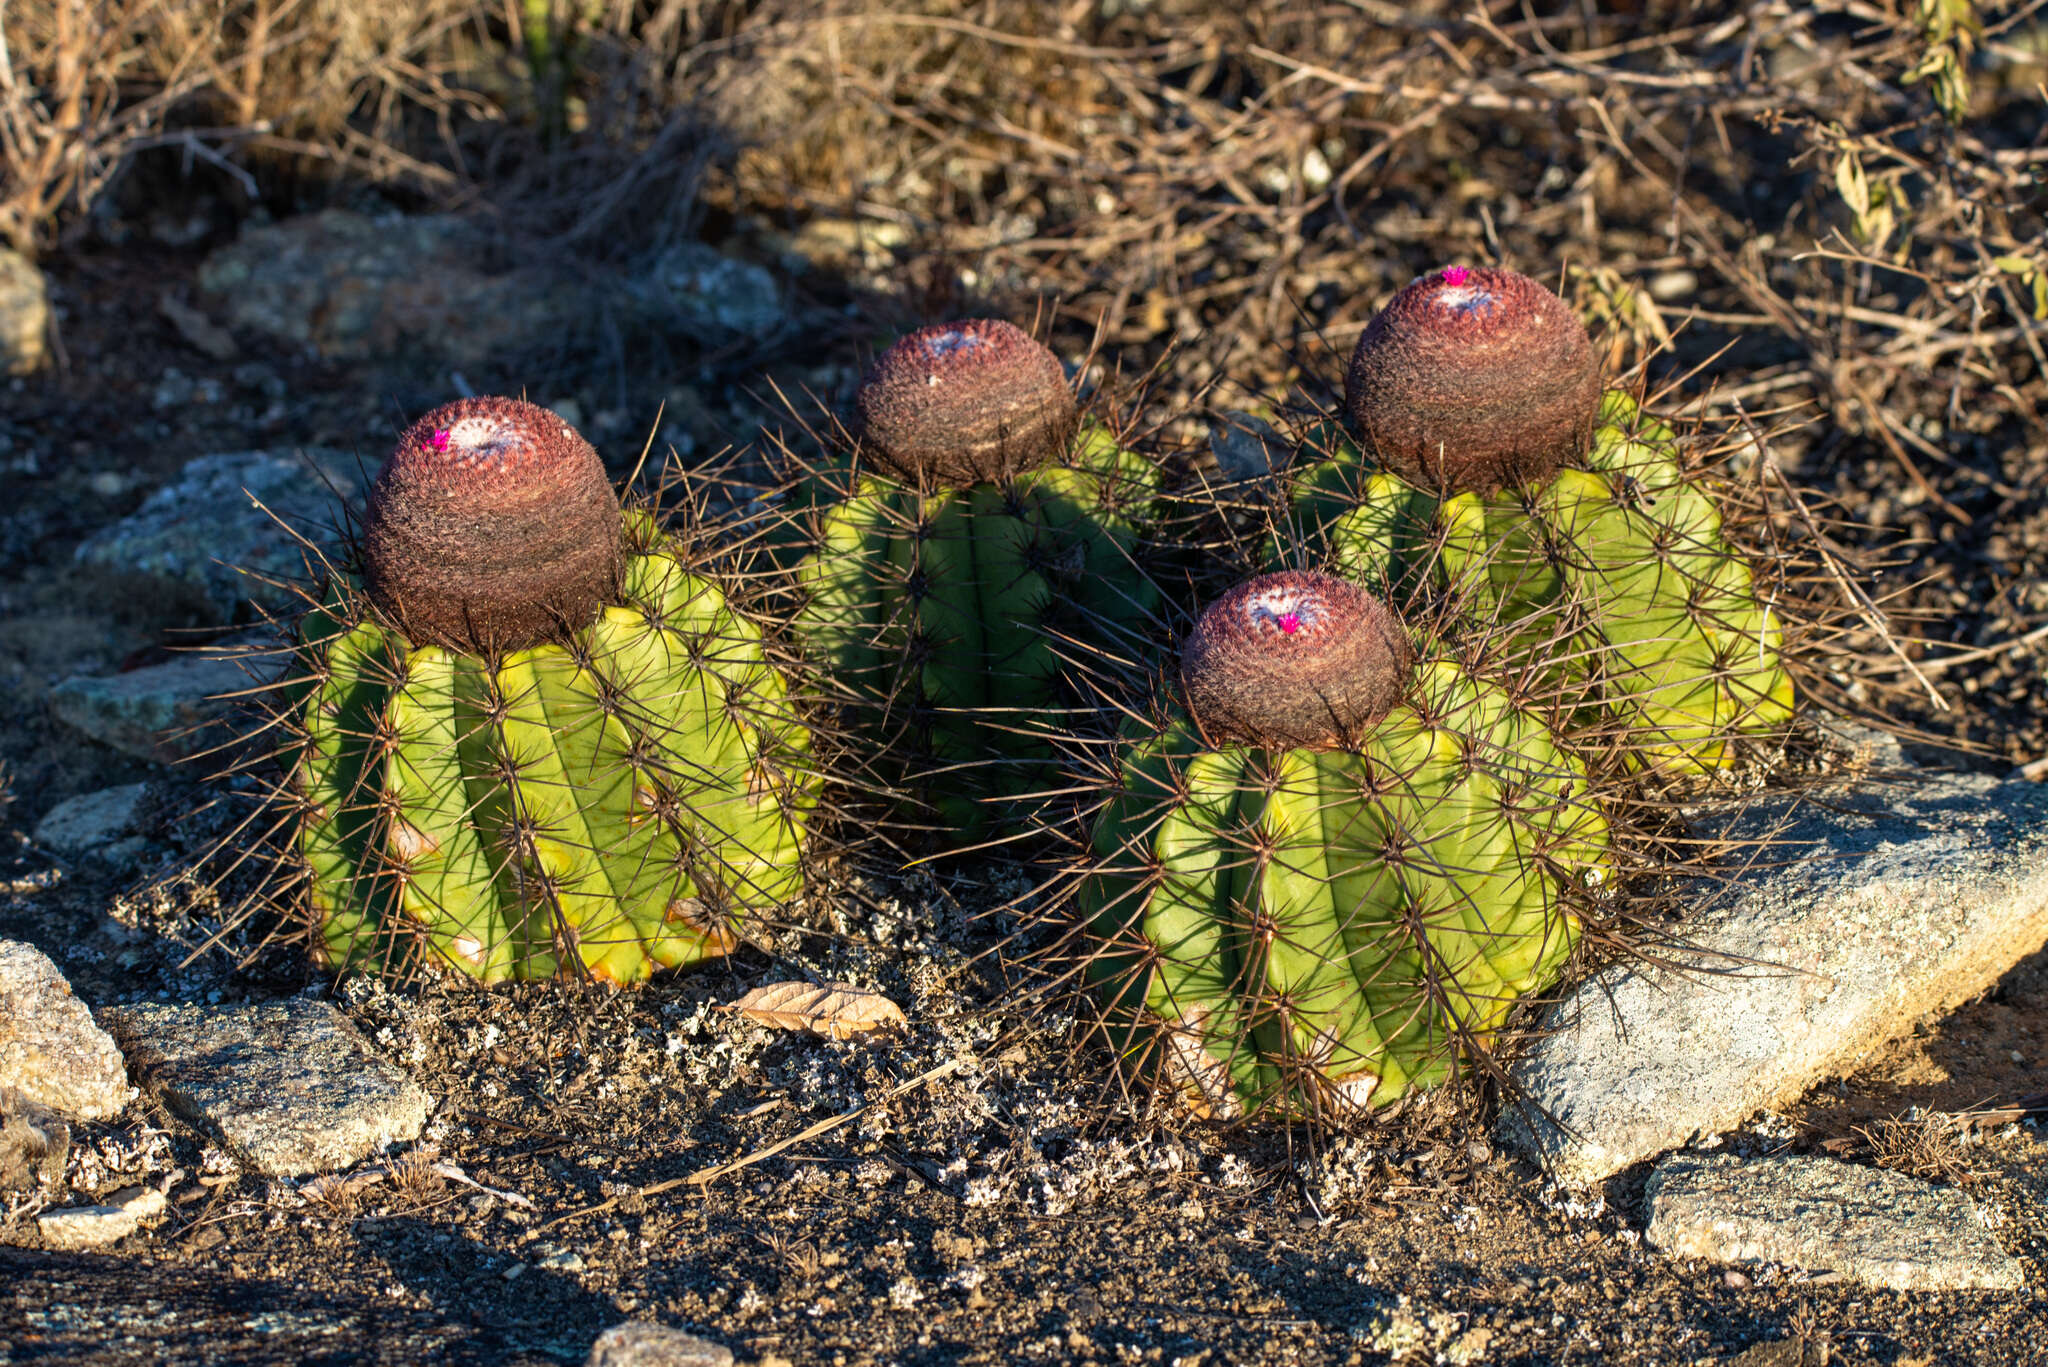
(51, 1050)
(215, 536)
(289, 1085)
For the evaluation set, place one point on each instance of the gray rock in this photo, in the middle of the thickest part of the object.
(1850, 924)
(637, 1343)
(51, 1051)
(1247, 447)
(1882, 1228)
(710, 297)
(165, 712)
(103, 826)
(203, 540)
(24, 314)
(349, 286)
(289, 1085)
(77, 1227)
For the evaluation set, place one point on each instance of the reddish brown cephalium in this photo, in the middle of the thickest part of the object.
(1294, 660)
(965, 403)
(492, 527)
(1473, 381)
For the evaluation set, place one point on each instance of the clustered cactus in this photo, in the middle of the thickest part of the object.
(534, 742)
(1327, 853)
(1490, 466)
(980, 524)
(1331, 867)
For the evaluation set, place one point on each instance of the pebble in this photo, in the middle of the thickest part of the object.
(51, 1050)
(708, 296)
(289, 1085)
(80, 1227)
(1881, 1228)
(102, 825)
(165, 712)
(24, 314)
(203, 543)
(636, 1343)
(1900, 902)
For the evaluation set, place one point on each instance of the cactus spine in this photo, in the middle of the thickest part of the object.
(1304, 897)
(536, 743)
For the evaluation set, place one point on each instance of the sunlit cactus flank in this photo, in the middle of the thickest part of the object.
(1491, 468)
(979, 527)
(534, 741)
(1321, 878)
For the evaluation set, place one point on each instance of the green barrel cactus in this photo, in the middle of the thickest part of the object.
(533, 741)
(978, 531)
(1326, 878)
(1560, 516)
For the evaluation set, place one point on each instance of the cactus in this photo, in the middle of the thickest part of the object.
(1330, 874)
(1561, 515)
(978, 524)
(533, 742)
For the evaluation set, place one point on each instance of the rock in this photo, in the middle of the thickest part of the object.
(51, 1051)
(202, 540)
(103, 826)
(1900, 902)
(164, 712)
(712, 298)
(1247, 447)
(34, 1142)
(867, 244)
(348, 286)
(77, 1227)
(637, 1343)
(1881, 1228)
(289, 1085)
(24, 314)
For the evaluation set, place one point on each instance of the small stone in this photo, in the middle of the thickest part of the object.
(1247, 447)
(165, 712)
(208, 540)
(1870, 1225)
(714, 299)
(637, 1343)
(34, 1142)
(289, 1085)
(78, 1227)
(1869, 909)
(99, 825)
(24, 314)
(51, 1051)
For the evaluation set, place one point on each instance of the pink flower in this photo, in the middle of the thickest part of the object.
(439, 440)
(1290, 622)
(1456, 275)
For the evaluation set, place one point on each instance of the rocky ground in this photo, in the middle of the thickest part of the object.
(224, 1159)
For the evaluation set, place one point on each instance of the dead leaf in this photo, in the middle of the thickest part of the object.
(834, 1010)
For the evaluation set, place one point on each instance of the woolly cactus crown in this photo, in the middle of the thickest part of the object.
(965, 403)
(1294, 660)
(1472, 381)
(491, 527)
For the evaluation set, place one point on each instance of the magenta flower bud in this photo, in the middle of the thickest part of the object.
(1294, 660)
(1474, 381)
(492, 526)
(965, 403)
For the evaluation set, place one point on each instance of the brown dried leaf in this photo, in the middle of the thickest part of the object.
(835, 1010)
